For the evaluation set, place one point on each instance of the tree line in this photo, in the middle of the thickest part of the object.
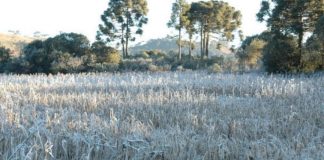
(280, 49)
(283, 48)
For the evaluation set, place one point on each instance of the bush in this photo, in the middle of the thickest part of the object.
(153, 68)
(280, 55)
(139, 64)
(62, 53)
(315, 49)
(103, 67)
(155, 54)
(192, 64)
(105, 54)
(215, 68)
(312, 61)
(15, 65)
(4, 58)
(113, 57)
(4, 54)
(230, 64)
(76, 44)
(143, 55)
(65, 63)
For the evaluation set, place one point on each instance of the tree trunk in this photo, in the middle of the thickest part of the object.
(190, 41)
(207, 45)
(300, 42)
(179, 53)
(322, 65)
(201, 42)
(126, 47)
(123, 43)
(300, 48)
(127, 34)
(204, 45)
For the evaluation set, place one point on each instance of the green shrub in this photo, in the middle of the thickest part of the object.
(143, 55)
(280, 55)
(153, 68)
(138, 64)
(105, 54)
(215, 68)
(65, 63)
(155, 54)
(4, 54)
(189, 63)
(230, 65)
(103, 67)
(312, 61)
(113, 57)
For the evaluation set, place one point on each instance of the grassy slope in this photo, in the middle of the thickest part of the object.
(14, 42)
(166, 45)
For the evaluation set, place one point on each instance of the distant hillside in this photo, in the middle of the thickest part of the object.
(167, 45)
(14, 42)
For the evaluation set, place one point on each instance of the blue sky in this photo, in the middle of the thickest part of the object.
(83, 16)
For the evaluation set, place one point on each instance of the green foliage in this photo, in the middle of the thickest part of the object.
(294, 17)
(150, 60)
(15, 65)
(37, 58)
(105, 54)
(143, 55)
(251, 54)
(280, 55)
(4, 58)
(191, 63)
(230, 64)
(191, 30)
(312, 61)
(138, 64)
(155, 54)
(73, 43)
(63, 53)
(291, 16)
(214, 17)
(156, 68)
(4, 54)
(179, 20)
(314, 58)
(316, 41)
(119, 21)
(65, 63)
(319, 29)
(103, 67)
(215, 68)
(113, 57)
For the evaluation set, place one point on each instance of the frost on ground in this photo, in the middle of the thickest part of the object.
(188, 115)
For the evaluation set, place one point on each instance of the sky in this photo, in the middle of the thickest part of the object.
(83, 16)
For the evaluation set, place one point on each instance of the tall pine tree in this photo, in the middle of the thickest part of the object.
(214, 17)
(179, 20)
(119, 21)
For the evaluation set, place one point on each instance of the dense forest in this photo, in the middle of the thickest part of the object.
(283, 48)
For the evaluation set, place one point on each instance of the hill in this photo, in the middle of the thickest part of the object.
(169, 45)
(15, 42)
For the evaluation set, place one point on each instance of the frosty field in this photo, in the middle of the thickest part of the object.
(172, 115)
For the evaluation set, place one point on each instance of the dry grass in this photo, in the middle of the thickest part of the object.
(16, 43)
(189, 115)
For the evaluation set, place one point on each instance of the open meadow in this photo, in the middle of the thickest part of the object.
(170, 115)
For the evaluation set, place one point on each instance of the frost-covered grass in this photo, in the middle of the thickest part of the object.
(188, 115)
